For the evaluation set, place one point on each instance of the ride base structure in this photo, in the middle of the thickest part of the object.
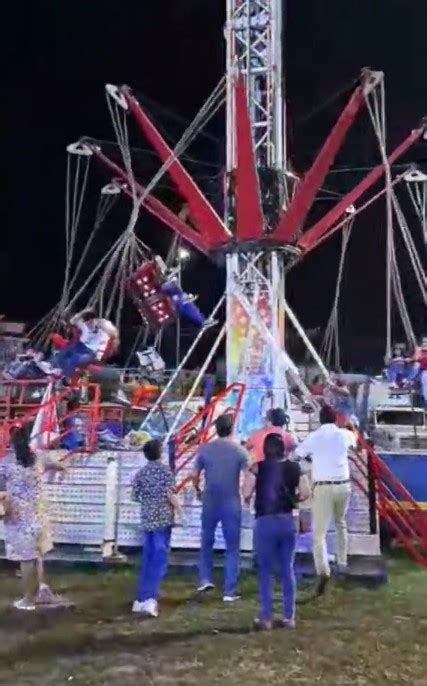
(94, 518)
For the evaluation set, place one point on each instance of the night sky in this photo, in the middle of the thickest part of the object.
(59, 55)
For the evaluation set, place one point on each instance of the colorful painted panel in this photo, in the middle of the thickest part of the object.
(250, 360)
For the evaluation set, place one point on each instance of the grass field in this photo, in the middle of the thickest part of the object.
(353, 636)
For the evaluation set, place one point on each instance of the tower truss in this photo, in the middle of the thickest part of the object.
(254, 47)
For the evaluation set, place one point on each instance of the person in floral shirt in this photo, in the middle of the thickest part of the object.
(27, 530)
(153, 489)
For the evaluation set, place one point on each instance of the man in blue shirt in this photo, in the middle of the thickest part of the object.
(222, 462)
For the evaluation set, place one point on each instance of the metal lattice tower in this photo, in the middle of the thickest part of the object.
(255, 281)
(254, 46)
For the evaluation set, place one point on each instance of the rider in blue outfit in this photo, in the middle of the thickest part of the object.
(184, 304)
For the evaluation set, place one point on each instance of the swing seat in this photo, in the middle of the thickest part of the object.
(156, 308)
(150, 361)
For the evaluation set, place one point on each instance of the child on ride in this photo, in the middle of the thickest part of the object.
(96, 335)
(183, 302)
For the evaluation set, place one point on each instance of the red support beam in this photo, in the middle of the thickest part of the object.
(361, 208)
(316, 232)
(153, 205)
(293, 218)
(211, 227)
(249, 215)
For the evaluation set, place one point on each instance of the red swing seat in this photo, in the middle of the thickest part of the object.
(155, 307)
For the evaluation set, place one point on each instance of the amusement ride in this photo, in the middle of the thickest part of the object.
(265, 230)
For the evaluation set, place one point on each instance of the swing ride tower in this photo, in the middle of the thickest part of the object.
(263, 231)
(253, 35)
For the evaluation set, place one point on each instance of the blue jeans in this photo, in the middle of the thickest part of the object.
(75, 355)
(275, 540)
(395, 370)
(229, 514)
(184, 309)
(154, 563)
(191, 312)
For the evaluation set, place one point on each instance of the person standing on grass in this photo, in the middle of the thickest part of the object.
(328, 447)
(222, 462)
(279, 485)
(153, 489)
(26, 522)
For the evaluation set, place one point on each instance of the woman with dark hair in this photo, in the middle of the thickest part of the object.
(26, 523)
(279, 485)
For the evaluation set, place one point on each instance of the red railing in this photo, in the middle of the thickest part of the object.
(407, 520)
(17, 408)
(200, 429)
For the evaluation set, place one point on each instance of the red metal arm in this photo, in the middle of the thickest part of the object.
(212, 229)
(316, 232)
(249, 215)
(294, 216)
(361, 208)
(153, 205)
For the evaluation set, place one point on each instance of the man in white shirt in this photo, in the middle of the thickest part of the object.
(328, 447)
(96, 335)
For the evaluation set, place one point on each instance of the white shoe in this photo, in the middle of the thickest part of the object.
(208, 586)
(231, 598)
(138, 606)
(45, 595)
(151, 608)
(191, 298)
(23, 604)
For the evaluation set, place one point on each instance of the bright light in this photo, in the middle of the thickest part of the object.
(183, 254)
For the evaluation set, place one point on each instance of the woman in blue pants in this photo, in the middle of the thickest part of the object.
(279, 485)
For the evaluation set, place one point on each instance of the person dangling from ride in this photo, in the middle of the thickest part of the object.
(185, 304)
(96, 338)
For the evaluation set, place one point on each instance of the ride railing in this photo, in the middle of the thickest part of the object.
(396, 507)
(18, 408)
(181, 381)
(200, 429)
